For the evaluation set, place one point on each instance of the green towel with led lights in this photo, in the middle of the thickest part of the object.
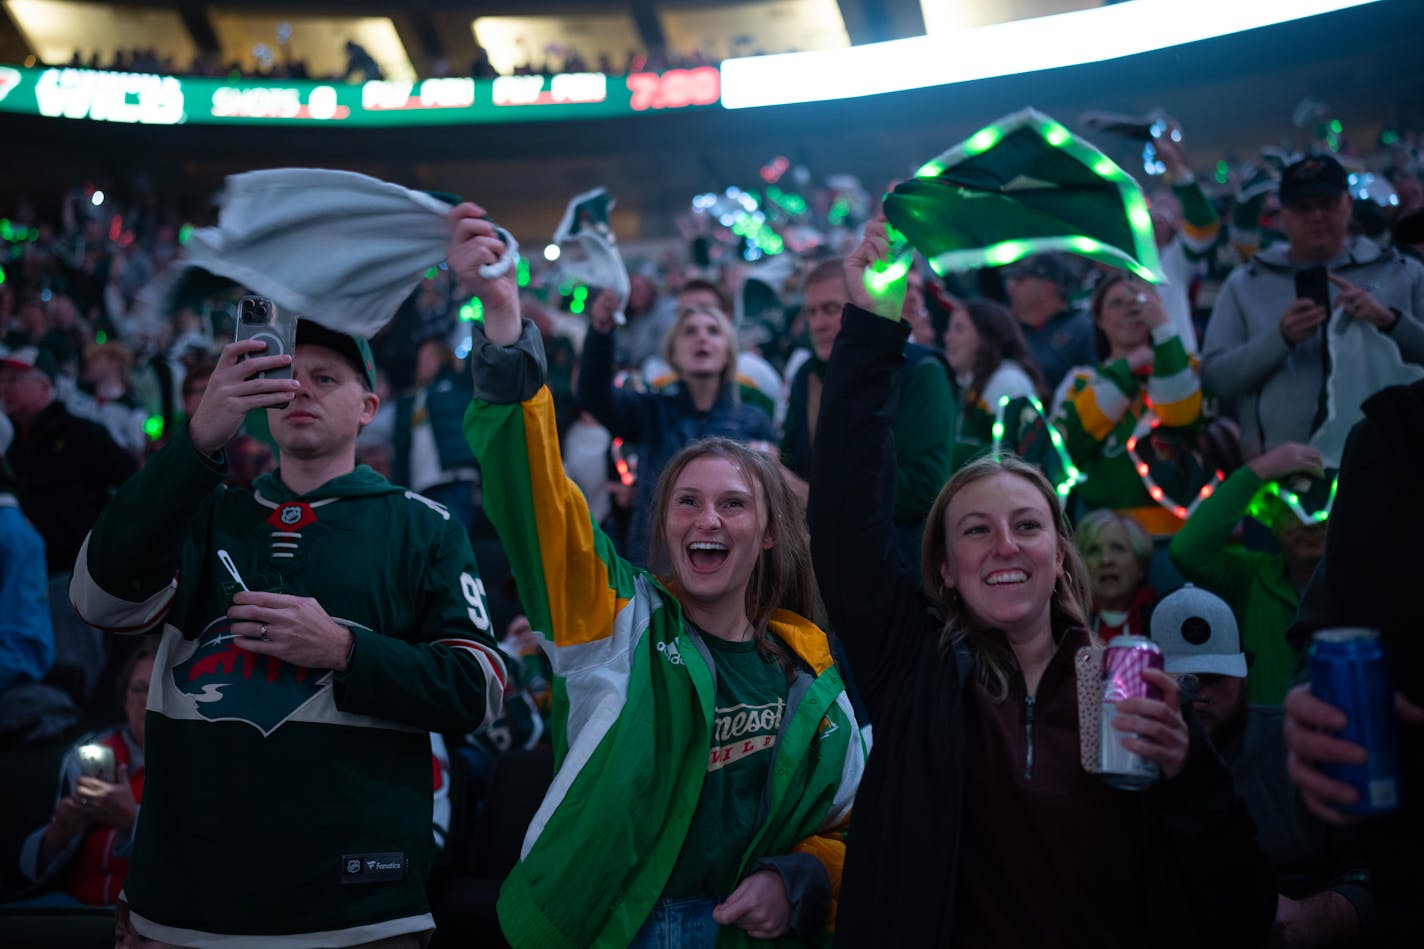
(1024, 185)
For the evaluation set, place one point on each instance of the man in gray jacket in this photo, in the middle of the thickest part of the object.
(1266, 344)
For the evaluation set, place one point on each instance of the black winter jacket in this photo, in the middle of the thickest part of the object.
(67, 468)
(1370, 577)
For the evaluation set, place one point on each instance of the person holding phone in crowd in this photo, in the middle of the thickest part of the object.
(84, 848)
(315, 629)
(1265, 344)
(1143, 367)
(707, 755)
(976, 824)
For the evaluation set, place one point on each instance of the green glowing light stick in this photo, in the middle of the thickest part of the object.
(881, 277)
(1264, 504)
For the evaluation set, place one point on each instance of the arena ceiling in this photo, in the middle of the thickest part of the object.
(1232, 95)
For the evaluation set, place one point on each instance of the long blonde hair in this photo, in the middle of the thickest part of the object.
(1069, 606)
(728, 375)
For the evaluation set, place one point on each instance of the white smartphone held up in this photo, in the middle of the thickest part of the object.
(97, 761)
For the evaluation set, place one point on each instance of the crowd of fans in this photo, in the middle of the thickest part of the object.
(361, 66)
(1182, 406)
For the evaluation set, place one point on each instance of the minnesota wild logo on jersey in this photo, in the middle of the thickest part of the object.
(232, 684)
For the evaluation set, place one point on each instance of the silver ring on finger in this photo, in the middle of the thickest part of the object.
(263, 635)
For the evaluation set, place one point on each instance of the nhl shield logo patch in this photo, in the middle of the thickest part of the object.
(292, 516)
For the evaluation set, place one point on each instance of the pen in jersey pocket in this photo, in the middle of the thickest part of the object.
(231, 568)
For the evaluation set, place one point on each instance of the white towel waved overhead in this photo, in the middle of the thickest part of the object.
(340, 248)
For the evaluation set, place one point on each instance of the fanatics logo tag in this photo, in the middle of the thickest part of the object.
(293, 516)
(374, 867)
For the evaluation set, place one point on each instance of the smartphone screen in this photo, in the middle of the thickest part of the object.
(97, 761)
(1312, 284)
(701, 252)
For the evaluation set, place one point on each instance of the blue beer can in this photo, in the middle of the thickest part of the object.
(1348, 670)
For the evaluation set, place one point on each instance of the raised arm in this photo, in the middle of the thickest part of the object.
(1200, 226)
(570, 580)
(618, 410)
(922, 440)
(1089, 405)
(1203, 550)
(867, 589)
(1174, 388)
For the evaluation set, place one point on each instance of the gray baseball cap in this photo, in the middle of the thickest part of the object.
(1197, 632)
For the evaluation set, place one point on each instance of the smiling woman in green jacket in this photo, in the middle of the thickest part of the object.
(707, 753)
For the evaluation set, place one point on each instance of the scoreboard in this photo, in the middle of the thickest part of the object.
(145, 99)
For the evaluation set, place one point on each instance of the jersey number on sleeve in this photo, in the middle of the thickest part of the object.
(474, 590)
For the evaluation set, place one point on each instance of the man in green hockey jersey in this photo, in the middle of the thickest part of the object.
(315, 629)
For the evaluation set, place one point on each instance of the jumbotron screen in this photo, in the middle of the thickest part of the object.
(61, 92)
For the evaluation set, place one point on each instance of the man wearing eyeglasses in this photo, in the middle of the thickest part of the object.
(923, 416)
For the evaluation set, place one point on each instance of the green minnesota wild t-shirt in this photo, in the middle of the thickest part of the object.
(750, 701)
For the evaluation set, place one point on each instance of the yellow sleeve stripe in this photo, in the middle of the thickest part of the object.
(1199, 237)
(1096, 423)
(581, 600)
(1176, 398)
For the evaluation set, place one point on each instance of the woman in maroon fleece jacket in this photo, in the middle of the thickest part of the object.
(975, 824)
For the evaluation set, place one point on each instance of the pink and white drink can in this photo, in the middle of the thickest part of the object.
(1126, 658)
